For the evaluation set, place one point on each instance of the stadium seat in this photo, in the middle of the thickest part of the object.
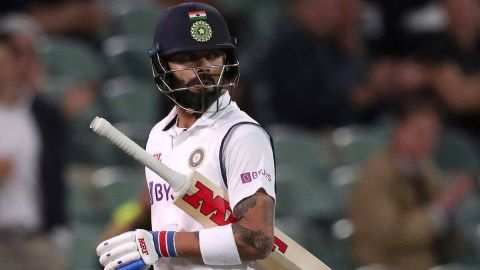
(127, 55)
(86, 236)
(457, 152)
(341, 180)
(110, 154)
(306, 199)
(130, 99)
(86, 147)
(118, 184)
(134, 18)
(355, 144)
(301, 150)
(71, 58)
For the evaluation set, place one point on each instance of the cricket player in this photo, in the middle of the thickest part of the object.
(194, 63)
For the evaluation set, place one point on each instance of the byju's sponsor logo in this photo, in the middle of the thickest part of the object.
(250, 176)
(246, 177)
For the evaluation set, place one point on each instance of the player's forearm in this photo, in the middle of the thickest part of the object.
(252, 233)
(251, 244)
(253, 230)
(188, 246)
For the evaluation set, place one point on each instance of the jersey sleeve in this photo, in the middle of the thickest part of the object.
(249, 163)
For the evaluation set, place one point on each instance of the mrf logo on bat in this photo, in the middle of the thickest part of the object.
(218, 210)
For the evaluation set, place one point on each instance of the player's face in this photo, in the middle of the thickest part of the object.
(207, 65)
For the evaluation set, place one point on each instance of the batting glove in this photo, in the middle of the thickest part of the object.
(136, 250)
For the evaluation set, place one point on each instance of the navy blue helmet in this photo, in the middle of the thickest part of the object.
(192, 27)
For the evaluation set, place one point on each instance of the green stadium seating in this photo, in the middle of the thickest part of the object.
(457, 152)
(301, 150)
(355, 144)
(118, 184)
(135, 19)
(127, 55)
(130, 99)
(71, 58)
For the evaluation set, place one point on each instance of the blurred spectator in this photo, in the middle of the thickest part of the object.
(426, 44)
(456, 78)
(311, 67)
(401, 209)
(391, 24)
(33, 216)
(25, 33)
(82, 18)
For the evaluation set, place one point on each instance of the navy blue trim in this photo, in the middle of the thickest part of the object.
(171, 244)
(169, 125)
(222, 163)
(155, 49)
(156, 243)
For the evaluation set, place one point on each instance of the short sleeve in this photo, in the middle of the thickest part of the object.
(249, 163)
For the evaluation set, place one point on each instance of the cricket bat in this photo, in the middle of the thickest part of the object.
(208, 203)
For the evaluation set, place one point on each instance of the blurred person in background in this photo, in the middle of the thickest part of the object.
(26, 34)
(33, 214)
(423, 44)
(456, 77)
(402, 211)
(312, 65)
(85, 19)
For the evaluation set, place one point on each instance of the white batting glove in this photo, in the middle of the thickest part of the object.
(136, 250)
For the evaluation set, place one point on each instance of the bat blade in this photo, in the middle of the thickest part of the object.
(208, 203)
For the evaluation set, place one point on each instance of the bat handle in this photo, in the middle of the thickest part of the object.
(135, 265)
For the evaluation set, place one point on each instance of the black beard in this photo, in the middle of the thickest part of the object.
(201, 99)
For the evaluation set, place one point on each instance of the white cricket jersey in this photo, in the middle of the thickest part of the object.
(248, 162)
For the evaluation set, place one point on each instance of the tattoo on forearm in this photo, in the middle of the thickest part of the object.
(254, 239)
(242, 207)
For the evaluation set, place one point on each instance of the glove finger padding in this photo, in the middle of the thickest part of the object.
(123, 260)
(117, 252)
(113, 242)
(137, 245)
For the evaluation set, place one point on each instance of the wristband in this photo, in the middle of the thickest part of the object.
(218, 247)
(165, 243)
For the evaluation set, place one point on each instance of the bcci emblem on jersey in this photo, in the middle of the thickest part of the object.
(196, 158)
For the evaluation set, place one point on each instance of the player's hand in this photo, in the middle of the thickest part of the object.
(132, 250)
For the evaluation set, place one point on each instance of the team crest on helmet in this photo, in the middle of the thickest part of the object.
(201, 31)
(196, 158)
